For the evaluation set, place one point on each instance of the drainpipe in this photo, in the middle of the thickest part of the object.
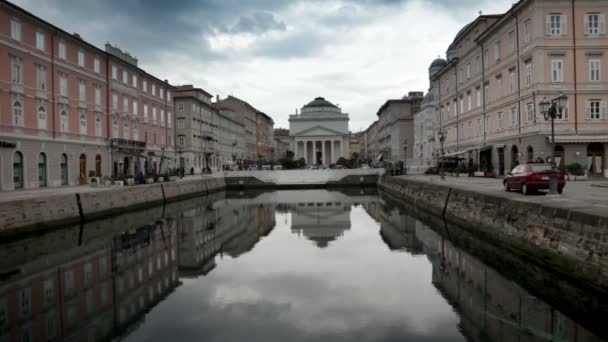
(483, 93)
(518, 75)
(575, 79)
(108, 115)
(457, 109)
(53, 100)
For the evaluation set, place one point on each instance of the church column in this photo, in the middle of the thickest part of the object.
(342, 148)
(295, 149)
(331, 149)
(306, 151)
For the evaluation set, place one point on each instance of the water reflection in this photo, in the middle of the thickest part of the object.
(286, 265)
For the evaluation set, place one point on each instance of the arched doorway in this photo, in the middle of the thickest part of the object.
(42, 170)
(64, 169)
(530, 154)
(83, 169)
(18, 170)
(514, 156)
(559, 154)
(595, 159)
(98, 166)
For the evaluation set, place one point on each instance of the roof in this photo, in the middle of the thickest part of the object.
(190, 87)
(439, 62)
(319, 102)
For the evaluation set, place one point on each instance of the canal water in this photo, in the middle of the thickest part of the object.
(310, 265)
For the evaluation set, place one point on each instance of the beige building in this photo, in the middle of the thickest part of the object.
(499, 68)
(396, 128)
(247, 115)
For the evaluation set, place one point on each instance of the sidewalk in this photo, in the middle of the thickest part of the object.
(586, 196)
(7, 196)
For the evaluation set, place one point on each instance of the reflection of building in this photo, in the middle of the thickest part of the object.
(398, 230)
(321, 222)
(319, 133)
(91, 292)
(259, 220)
(491, 307)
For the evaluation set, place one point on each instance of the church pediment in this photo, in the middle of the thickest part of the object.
(317, 131)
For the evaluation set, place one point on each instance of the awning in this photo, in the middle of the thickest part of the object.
(579, 139)
(379, 157)
(453, 154)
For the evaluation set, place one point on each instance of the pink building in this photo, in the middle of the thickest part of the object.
(55, 92)
(500, 67)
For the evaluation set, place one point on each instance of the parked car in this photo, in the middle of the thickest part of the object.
(253, 168)
(531, 177)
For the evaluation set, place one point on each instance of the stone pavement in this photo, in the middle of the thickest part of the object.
(8, 196)
(585, 196)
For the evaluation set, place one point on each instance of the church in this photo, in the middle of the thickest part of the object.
(319, 133)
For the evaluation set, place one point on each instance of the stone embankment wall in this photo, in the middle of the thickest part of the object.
(291, 179)
(569, 242)
(44, 212)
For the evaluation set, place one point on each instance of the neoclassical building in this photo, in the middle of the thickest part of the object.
(320, 133)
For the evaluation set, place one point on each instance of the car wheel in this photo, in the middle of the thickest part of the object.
(507, 187)
(560, 190)
(524, 189)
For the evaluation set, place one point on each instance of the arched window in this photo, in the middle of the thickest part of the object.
(18, 113)
(42, 170)
(98, 124)
(64, 121)
(18, 170)
(41, 117)
(83, 122)
(98, 166)
(64, 169)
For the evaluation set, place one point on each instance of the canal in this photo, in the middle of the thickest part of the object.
(309, 265)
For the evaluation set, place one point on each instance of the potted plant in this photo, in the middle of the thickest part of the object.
(93, 177)
(575, 171)
(489, 172)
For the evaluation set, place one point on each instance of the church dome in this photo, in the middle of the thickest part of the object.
(438, 63)
(319, 102)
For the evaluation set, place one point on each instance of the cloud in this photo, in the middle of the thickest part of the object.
(258, 22)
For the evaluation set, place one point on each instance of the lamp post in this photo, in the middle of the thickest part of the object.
(551, 111)
(442, 135)
(405, 157)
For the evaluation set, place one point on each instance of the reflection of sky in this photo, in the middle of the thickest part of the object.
(288, 289)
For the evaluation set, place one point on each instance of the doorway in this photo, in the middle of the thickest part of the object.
(501, 161)
(42, 170)
(98, 166)
(595, 160)
(83, 169)
(18, 170)
(64, 169)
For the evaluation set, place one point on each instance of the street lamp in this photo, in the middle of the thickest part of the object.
(552, 110)
(442, 136)
(405, 157)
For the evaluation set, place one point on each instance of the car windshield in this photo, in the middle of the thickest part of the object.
(540, 168)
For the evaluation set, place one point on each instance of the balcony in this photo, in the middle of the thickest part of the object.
(208, 135)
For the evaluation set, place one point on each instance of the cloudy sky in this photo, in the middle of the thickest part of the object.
(279, 54)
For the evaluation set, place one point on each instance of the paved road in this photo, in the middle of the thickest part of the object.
(7, 196)
(586, 196)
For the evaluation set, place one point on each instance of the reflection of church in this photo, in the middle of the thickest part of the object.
(320, 222)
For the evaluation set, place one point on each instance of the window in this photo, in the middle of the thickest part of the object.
(528, 74)
(16, 70)
(83, 121)
(594, 70)
(96, 65)
(478, 62)
(63, 117)
(596, 110)
(135, 130)
(145, 112)
(115, 126)
(18, 110)
(180, 123)
(512, 81)
(161, 92)
(514, 118)
(15, 29)
(479, 127)
(114, 102)
(134, 81)
(169, 119)
(135, 109)
(461, 104)
(153, 114)
(63, 50)
(42, 115)
(498, 87)
(486, 57)
(168, 96)
(556, 24)
(82, 90)
(530, 112)
(114, 72)
(97, 95)
(180, 141)
(469, 101)
(125, 105)
(455, 108)
(487, 124)
(154, 135)
(497, 51)
(595, 24)
(40, 41)
(180, 107)
(501, 120)
(24, 302)
(486, 92)
(81, 58)
(40, 77)
(511, 41)
(557, 70)
(125, 77)
(562, 112)
(478, 95)
(468, 71)
(460, 76)
(154, 90)
(162, 116)
(527, 31)
(98, 124)
(145, 86)
(126, 128)
(63, 84)
(461, 131)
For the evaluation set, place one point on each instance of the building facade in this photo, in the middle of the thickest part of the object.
(62, 121)
(396, 129)
(499, 68)
(232, 140)
(247, 115)
(320, 133)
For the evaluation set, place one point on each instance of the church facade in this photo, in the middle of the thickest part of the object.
(319, 133)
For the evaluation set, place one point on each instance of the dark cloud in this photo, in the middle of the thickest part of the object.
(258, 22)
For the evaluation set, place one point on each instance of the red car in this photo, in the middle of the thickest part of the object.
(530, 177)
